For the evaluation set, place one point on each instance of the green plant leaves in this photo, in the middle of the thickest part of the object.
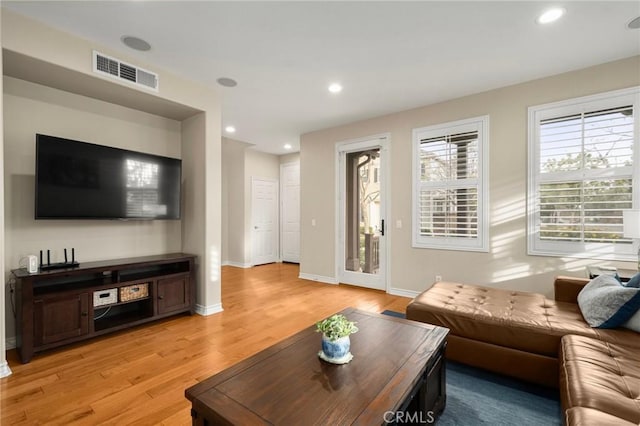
(336, 326)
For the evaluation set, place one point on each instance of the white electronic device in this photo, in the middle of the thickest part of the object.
(32, 264)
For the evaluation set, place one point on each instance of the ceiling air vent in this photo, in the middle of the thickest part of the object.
(117, 69)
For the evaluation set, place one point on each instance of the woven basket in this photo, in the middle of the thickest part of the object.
(105, 297)
(133, 292)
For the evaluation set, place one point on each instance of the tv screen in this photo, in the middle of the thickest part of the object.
(79, 180)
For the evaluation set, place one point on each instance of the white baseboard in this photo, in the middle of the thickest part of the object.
(208, 310)
(402, 292)
(319, 278)
(237, 264)
(10, 343)
(4, 369)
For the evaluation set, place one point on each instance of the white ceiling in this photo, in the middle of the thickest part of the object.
(389, 56)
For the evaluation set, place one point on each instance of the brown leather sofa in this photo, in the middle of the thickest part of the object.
(527, 336)
(599, 382)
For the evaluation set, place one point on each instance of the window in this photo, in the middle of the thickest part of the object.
(581, 175)
(450, 207)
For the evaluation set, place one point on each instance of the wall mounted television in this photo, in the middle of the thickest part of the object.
(80, 180)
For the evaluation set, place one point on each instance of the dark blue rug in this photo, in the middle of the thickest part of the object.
(476, 397)
(394, 314)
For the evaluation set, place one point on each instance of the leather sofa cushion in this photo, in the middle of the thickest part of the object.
(580, 416)
(599, 376)
(520, 320)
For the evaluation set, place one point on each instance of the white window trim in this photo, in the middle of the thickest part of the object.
(480, 244)
(538, 113)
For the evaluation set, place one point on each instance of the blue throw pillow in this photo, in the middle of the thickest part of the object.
(605, 303)
(634, 281)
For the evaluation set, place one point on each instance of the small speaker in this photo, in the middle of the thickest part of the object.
(32, 264)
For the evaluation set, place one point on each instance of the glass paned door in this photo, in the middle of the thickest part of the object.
(363, 220)
(362, 247)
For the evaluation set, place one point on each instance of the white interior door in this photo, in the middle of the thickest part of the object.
(290, 212)
(361, 240)
(264, 218)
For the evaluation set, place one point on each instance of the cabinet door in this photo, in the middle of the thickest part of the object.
(58, 318)
(173, 294)
(435, 394)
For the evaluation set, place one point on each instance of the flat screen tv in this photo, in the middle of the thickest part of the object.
(79, 180)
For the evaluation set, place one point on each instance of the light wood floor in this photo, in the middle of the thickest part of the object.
(139, 376)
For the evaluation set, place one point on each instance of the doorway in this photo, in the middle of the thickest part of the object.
(290, 212)
(362, 248)
(264, 217)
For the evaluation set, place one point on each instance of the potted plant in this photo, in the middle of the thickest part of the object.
(335, 338)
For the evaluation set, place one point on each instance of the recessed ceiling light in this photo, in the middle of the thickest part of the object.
(335, 88)
(230, 129)
(287, 146)
(227, 82)
(136, 43)
(550, 15)
(634, 24)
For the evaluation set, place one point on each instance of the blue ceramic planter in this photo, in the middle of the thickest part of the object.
(336, 350)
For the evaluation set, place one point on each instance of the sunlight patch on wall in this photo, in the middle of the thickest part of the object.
(502, 245)
(593, 252)
(214, 264)
(505, 211)
(576, 265)
(511, 273)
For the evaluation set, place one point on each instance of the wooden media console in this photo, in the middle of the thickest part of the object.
(62, 306)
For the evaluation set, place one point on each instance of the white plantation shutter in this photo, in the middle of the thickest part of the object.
(590, 140)
(449, 186)
(584, 211)
(582, 169)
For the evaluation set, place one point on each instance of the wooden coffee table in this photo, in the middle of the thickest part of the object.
(397, 371)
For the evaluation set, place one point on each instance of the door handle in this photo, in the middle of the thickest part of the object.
(382, 228)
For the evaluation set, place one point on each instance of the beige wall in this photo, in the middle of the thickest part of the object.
(224, 201)
(4, 367)
(34, 39)
(200, 224)
(191, 132)
(257, 165)
(290, 158)
(507, 264)
(240, 164)
(261, 164)
(29, 109)
(211, 162)
(233, 153)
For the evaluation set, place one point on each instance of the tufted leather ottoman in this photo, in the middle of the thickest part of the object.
(599, 382)
(510, 332)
